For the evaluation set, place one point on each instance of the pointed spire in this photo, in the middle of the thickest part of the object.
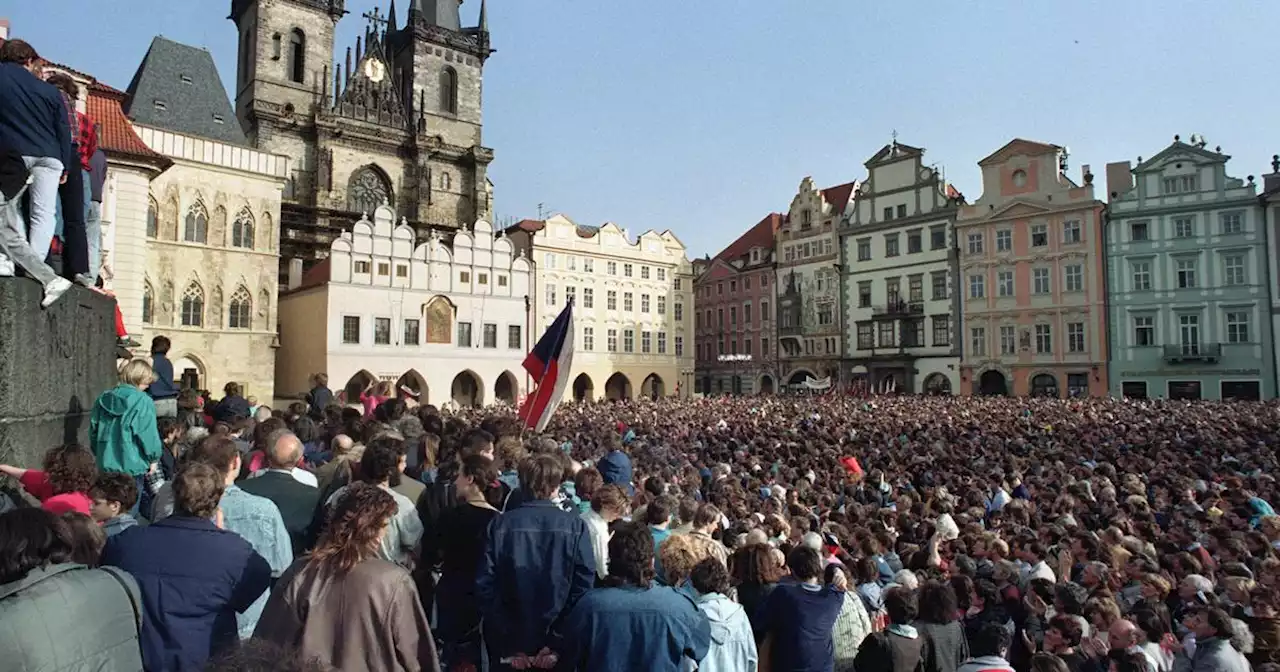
(391, 18)
(484, 17)
(359, 46)
(337, 84)
(348, 72)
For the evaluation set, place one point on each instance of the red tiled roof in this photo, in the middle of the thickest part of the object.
(952, 192)
(760, 235)
(531, 225)
(117, 134)
(838, 196)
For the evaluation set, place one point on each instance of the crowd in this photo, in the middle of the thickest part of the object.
(893, 533)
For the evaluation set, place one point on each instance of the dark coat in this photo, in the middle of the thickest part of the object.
(33, 117)
(297, 503)
(194, 579)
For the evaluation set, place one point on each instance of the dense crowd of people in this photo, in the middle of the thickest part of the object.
(893, 533)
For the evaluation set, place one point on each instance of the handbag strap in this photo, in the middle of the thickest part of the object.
(124, 585)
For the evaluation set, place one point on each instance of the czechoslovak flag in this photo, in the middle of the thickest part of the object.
(549, 364)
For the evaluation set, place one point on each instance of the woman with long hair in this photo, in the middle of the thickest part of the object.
(456, 548)
(343, 586)
(755, 573)
(939, 625)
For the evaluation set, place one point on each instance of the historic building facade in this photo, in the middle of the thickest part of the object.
(633, 305)
(1032, 275)
(1271, 233)
(396, 122)
(807, 260)
(899, 277)
(446, 320)
(735, 337)
(1188, 267)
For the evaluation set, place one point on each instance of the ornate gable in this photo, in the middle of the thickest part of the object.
(1019, 147)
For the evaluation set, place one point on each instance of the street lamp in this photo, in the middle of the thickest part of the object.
(735, 361)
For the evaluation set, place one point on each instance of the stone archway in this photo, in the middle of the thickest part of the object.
(766, 384)
(992, 383)
(653, 387)
(467, 391)
(504, 388)
(356, 386)
(583, 388)
(188, 373)
(937, 384)
(799, 376)
(1044, 385)
(412, 385)
(617, 388)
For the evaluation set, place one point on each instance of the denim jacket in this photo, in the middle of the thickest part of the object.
(538, 561)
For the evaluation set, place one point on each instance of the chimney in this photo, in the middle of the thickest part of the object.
(295, 273)
(1271, 181)
(1119, 177)
(4, 29)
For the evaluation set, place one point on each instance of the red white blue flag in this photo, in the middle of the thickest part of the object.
(548, 364)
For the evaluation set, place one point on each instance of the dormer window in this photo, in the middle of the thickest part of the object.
(755, 255)
(186, 79)
(218, 119)
(160, 104)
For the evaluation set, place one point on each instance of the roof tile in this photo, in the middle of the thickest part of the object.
(760, 235)
(117, 134)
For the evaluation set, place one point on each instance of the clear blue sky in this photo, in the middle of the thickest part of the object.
(703, 115)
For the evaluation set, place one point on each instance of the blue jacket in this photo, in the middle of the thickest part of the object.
(653, 629)
(194, 578)
(33, 118)
(164, 387)
(538, 562)
(616, 470)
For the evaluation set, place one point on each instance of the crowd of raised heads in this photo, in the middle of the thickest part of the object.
(908, 534)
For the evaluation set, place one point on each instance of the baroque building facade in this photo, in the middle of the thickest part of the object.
(735, 337)
(444, 320)
(396, 122)
(807, 262)
(633, 304)
(1032, 272)
(1271, 233)
(1188, 266)
(899, 277)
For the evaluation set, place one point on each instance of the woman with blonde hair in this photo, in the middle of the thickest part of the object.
(122, 430)
(344, 587)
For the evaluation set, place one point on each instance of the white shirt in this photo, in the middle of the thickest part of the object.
(403, 532)
(300, 475)
(599, 540)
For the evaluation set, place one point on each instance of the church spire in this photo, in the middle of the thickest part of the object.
(484, 17)
(391, 18)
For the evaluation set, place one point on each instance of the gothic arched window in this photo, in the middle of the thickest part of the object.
(153, 218)
(242, 230)
(449, 90)
(196, 229)
(241, 310)
(193, 306)
(297, 56)
(148, 304)
(368, 190)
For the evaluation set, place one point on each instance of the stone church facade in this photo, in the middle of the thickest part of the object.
(397, 121)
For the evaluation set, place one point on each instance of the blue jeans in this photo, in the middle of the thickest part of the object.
(46, 173)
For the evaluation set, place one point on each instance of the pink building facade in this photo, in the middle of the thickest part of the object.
(1032, 275)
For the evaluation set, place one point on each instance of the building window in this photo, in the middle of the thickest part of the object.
(975, 243)
(242, 230)
(902, 211)
(1008, 340)
(153, 218)
(939, 281)
(978, 341)
(628, 304)
(1231, 222)
(864, 249)
(1073, 277)
(514, 340)
(915, 242)
(938, 237)
(570, 262)
(551, 295)
(570, 294)
(977, 286)
(1040, 281)
(449, 91)
(412, 332)
(368, 190)
(644, 272)
(1039, 235)
(1184, 227)
(402, 271)
(611, 340)
(1237, 326)
(888, 213)
(1004, 240)
(464, 277)
(864, 294)
(588, 265)
(1189, 331)
(297, 57)
(892, 291)
(1139, 231)
(662, 304)
(662, 274)
(1044, 339)
(1186, 273)
(645, 340)
(628, 340)
(148, 304)
(502, 281)
(382, 331)
(679, 346)
(626, 270)
(240, 310)
(915, 288)
(588, 339)
(885, 338)
(677, 283)
(196, 227)
(549, 260)
(720, 318)
(1233, 269)
(193, 306)
(384, 268)
(1004, 283)
(826, 314)
(941, 330)
(464, 334)
(644, 303)
(490, 336)
(611, 267)
(1180, 185)
(891, 245)
(350, 329)
(588, 297)
(1134, 389)
(1141, 275)
(1075, 337)
(912, 334)
(1071, 231)
(765, 315)
(1144, 330)
(866, 337)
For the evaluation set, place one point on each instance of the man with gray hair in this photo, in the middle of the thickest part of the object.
(280, 483)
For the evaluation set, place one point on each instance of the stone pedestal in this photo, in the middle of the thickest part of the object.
(53, 365)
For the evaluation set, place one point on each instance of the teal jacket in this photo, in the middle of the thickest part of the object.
(123, 431)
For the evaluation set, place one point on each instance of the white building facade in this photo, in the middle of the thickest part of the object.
(899, 271)
(447, 320)
(633, 305)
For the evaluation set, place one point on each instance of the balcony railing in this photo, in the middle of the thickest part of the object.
(899, 309)
(1193, 352)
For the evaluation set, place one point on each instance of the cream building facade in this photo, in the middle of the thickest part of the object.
(633, 305)
(447, 320)
(899, 269)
